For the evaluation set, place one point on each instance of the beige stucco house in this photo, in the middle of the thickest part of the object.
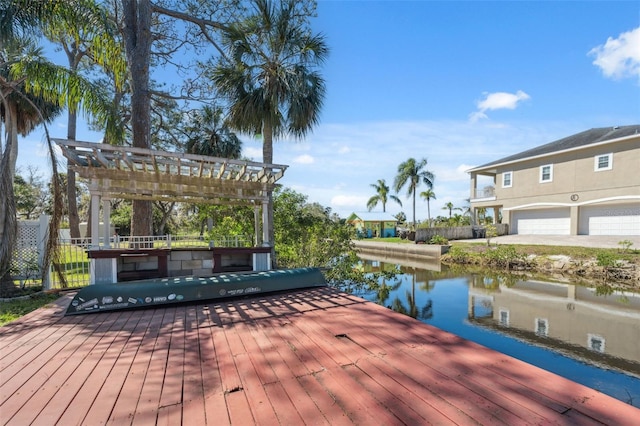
(584, 184)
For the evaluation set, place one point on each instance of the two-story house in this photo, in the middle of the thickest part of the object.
(585, 184)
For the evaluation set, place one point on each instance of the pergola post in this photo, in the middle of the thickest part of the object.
(106, 213)
(256, 224)
(265, 225)
(94, 223)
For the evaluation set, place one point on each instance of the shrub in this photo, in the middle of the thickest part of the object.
(503, 256)
(606, 259)
(439, 240)
(626, 245)
(458, 254)
(490, 232)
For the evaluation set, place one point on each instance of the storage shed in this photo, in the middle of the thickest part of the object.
(370, 225)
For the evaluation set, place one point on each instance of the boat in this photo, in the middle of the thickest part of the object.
(167, 291)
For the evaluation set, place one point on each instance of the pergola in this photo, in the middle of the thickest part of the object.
(145, 174)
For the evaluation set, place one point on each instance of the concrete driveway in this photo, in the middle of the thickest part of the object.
(601, 241)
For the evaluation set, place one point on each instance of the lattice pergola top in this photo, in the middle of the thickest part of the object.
(145, 174)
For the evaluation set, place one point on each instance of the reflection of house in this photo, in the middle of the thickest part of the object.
(370, 225)
(567, 314)
(586, 183)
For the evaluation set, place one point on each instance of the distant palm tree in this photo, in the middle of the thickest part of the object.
(449, 206)
(382, 196)
(428, 195)
(210, 136)
(413, 173)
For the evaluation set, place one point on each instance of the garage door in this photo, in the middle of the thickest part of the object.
(610, 220)
(542, 222)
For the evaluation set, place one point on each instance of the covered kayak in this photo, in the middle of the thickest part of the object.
(164, 291)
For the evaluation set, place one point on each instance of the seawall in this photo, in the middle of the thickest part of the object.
(424, 251)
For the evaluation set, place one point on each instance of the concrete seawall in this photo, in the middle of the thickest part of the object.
(425, 251)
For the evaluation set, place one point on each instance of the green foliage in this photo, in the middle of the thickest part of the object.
(121, 217)
(308, 235)
(503, 256)
(207, 134)
(606, 259)
(412, 173)
(439, 240)
(490, 232)
(458, 254)
(625, 244)
(382, 196)
(12, 310)
(29, 194)
(231, 226)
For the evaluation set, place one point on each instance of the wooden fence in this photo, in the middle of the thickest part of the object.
(458, 232)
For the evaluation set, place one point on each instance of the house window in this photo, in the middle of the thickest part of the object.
(595, 342)
(603, 162)
(507, 178)
(504, 317)
(542, 326)
(546, 173)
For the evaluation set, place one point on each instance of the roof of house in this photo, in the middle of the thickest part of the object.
(373, 217)
(582, 139)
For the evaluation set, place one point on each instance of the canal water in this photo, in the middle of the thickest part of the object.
(568, 329)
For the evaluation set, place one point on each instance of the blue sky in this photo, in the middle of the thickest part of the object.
(458, 83)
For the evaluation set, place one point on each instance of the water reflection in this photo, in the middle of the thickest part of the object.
(569, 329)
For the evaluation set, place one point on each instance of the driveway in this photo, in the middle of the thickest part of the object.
(600, 241)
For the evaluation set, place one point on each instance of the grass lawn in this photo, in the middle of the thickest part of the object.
(14, 309)
(578, 253)
(389, 240)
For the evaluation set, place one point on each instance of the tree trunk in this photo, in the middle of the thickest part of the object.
(137, 40)
(72, 195)
(267, 157)
(414, 209)
(166, 209)
(74, 57)
(8, 220)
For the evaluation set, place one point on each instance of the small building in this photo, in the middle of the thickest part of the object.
(370, 225)
(584, 184)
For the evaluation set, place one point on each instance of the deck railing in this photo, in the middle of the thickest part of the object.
(75, 264)
(487, 192)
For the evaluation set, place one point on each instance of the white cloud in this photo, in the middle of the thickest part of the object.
(344, 150)
(449, 174)
(355, 202)
(497, 100)
(619, 57)
(253, 153)
(304, 159)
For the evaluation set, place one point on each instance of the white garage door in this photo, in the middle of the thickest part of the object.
(610, 220)
(542, 222)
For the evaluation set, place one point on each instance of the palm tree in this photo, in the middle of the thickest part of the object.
(428, 195)
(449, 206)
(208, 135)
(20, 113)
(32, 91)
(269, 75)
(382, 196)
(413, 173)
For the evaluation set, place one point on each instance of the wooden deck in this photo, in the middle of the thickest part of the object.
(313, 356)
